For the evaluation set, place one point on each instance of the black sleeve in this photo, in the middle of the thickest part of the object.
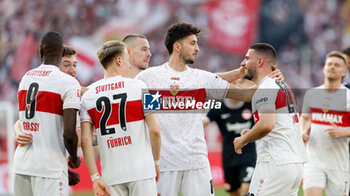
(212, 115)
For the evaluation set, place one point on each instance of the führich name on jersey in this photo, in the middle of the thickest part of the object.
(29, 126)
(188, 103)
(118, 141)
(109, 87)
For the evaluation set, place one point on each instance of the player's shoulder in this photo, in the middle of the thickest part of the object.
(268, 82)
(151, 71)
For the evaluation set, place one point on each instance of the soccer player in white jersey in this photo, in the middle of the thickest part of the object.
(184, 155)
(113, 106)
(48, 102)
(325, 123)
(280, 148)
(140, 54)
(68, 65)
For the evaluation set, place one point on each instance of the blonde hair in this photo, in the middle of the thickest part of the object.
(108, 51)
(338, 55)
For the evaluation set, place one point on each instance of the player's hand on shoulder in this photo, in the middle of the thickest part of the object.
(100, 188)
(73, 178)
(24, 138)
(74, 162)
(276, 74)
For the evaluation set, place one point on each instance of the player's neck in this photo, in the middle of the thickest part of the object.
(51, 61)
(260, 75)
(111, 71)
(133, 72)
(332, 84)
(176, 63)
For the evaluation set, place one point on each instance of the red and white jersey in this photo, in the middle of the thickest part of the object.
(183, 142)
(323, 108)
(43, 94)
(283, 144)
(114, 106)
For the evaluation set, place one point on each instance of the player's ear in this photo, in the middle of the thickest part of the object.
(261, 62)
(118, 60)
(176, 46)
(129, 51)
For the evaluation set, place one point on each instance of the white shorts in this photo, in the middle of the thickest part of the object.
(38, 186)
(188, 182)
(146, 187)
(270, 179)
(335, 183)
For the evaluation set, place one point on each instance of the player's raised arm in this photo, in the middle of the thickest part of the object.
(231, 76)
(242, 94)
(70, 136)
(154, 131)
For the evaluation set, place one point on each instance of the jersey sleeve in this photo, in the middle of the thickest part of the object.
(212, 115)
(71, 95)
(215, 86)
(84, 115)
(265, 100)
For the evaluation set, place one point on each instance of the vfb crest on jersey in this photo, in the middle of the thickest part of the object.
(151, 101)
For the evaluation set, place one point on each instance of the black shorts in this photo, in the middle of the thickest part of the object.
(235, 176)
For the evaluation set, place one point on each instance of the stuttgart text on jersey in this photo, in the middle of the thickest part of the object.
(109, 87)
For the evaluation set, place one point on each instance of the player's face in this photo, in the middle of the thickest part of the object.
(140, 54)
(334, 68)
(249, 63)
(69, 65)
(189, 49)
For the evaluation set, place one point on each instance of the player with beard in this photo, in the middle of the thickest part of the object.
(184, 156)
(276, 131)
(325, 124)
(140, 54)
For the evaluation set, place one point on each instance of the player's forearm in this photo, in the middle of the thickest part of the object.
(71, 143)
(88, 149)
(305, 124)
(263, 127)
(70, 136)
(235, 92)
(156, 143)
(17, 129)
(230, 76)
(154, 132)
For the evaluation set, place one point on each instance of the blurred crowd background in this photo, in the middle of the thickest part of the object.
(302, 31)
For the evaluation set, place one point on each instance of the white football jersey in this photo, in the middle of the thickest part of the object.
(323, 108)
(284, 143)
(183, 142)
(114, 106)
(43, 94)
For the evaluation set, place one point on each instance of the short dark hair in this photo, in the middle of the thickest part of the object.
(109, 50)
(129, 40)
(347, 51)
(265, 49)
(51, 45)
(68, 51)
(177, 32)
